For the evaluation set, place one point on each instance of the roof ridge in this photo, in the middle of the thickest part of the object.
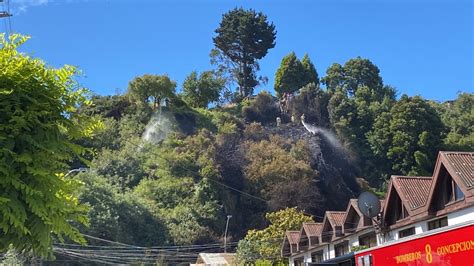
(414, 177)
(457, 152)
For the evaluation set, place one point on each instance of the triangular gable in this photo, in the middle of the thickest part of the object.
(353, 218)
(327, 231)
(332, 225)
(460, 167)
(312, 232)
(390, 209)
(285, 247)
(304, 240)
(290, 243)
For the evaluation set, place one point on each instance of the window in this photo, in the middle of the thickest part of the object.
(341, 249)
(299, 261)
(450, 191)
(458, 195)
(352, 221)
(304, 242)
(407, 232)
(317, 256)
(339, 230)
(368, 240)
(438, 223)
(365, 260)
(401, 211)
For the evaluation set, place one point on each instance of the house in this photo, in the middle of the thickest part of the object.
(214, 259)
(413, 205)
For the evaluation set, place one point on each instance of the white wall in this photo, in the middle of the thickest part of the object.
(457, 217)
(461, 216)
(328, 250)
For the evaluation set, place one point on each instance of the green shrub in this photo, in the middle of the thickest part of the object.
(262, 109)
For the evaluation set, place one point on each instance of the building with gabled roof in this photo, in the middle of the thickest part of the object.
(406, 195)
(413, 205)
(214, 259)
(332, 226)
(310, 235)
(354, 220)
(290, 243)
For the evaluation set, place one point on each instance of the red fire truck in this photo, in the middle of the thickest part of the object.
(450, 245)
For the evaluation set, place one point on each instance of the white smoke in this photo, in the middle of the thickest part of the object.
(160, 126)
(325, 133)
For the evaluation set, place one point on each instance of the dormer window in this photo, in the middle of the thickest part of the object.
(352, 221)
(402, 212)
(450, 191)
(458, 195)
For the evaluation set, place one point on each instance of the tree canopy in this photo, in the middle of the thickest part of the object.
(151, 89)
(311, 75)
(266, 243)
(357, 72)
(203, 90)
(38, 124)
(244, 37)
(291, 75)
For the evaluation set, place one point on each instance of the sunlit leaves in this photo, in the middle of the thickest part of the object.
(38, 122)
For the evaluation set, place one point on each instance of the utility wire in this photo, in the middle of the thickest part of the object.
(9, 17)
(177, 253)
(227, 186)
(5, 18)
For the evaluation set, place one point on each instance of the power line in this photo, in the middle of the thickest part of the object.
(9, 17)
(227, 186)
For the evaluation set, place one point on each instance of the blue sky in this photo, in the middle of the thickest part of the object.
(422, 47)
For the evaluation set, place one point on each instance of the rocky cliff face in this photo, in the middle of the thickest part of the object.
(337, 175)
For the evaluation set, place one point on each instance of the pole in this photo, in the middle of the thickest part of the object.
(225, 233)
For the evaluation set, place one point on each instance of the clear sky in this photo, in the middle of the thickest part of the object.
(422, 47)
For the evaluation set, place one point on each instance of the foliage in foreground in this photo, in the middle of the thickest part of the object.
(266, 243)
(38, 124)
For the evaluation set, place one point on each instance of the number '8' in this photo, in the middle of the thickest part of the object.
(429, 257)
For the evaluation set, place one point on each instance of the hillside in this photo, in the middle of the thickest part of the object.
(186, 168)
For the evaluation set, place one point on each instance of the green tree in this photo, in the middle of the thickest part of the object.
(266, 243)
(412, 137)
(458, 116)
(244, 37)
(119, 216)
(357, 98)
(202, 90)
(278, 175)
(114, 106)
(311, 75)
(361, 72)
(38, 124)
(178, 188)
(121, 167)
(313, 103)
(151, 89)
(334, 77)
(357, 72)
(261, 109)
(291, 75)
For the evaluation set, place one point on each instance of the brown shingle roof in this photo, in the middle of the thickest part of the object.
(313, 229)
(414, 190)
(463, 164)
(336, 218)
(293, 237)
